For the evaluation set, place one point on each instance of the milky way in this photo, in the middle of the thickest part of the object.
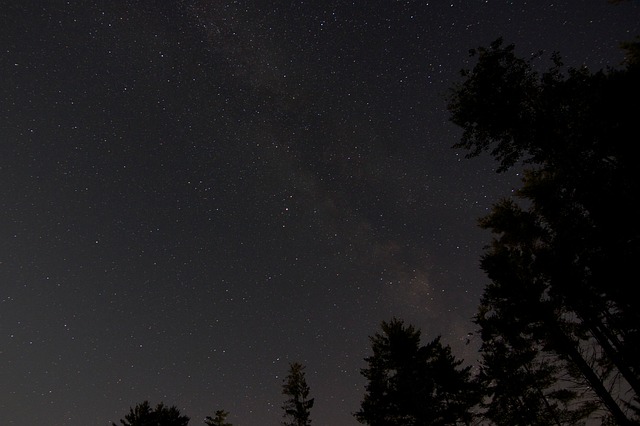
(197, 193)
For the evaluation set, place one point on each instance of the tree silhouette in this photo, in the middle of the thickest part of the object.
(518, 323)
(298, 405)
(143, 415)
(219, 420)
(409, 384)
(571, 243)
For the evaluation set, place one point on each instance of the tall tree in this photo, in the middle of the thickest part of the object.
(573, 240)
(219, 420)
(143, 415)
(297, 407)
(409, 384)
(522, 379)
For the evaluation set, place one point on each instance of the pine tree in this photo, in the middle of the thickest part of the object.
(409, 384)
(219, 420)
(298, 406)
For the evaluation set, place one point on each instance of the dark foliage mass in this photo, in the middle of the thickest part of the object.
(297, 407)
(220, 419)
(559, 323)
(143, 415)
(410, 384)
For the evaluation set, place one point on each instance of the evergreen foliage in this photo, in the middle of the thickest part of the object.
(558, 309)
(220, 419)
(143, 415)
(410, 384)
(297, 407)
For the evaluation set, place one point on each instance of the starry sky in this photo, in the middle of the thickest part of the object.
(196, 193)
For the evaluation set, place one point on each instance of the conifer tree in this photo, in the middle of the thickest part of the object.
(297, 407)
(410, 384)
(565, 247)
(220, 419)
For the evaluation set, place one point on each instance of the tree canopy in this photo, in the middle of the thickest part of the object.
(559, 302)
(410, 384)
(143, 415)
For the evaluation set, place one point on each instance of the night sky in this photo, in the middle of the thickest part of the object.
(196, 193)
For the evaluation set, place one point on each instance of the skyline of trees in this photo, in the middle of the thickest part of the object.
(161, 415)
(559, 327)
